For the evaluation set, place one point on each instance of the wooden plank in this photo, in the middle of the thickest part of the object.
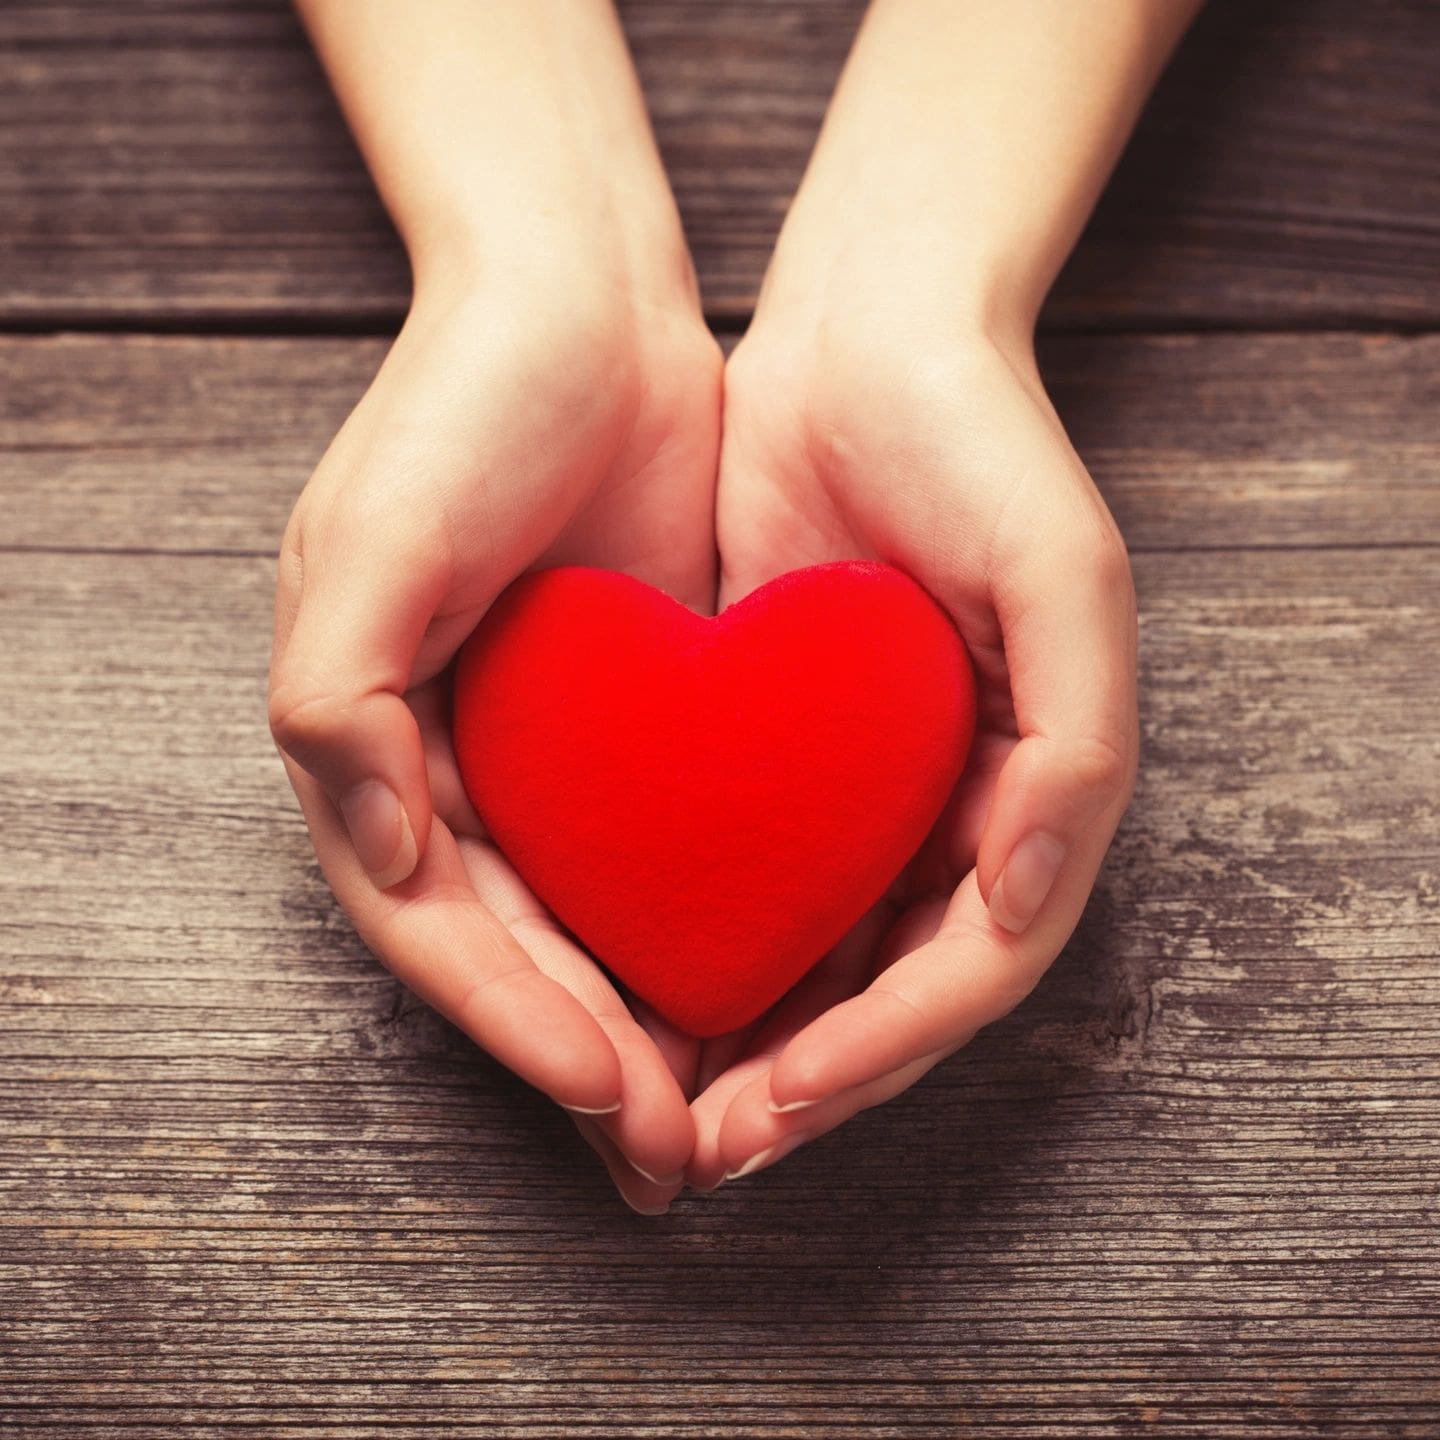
(248, 1187)
(201, 444)
(173, 162)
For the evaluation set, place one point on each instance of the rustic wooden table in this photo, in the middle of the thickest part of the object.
(249, 1187)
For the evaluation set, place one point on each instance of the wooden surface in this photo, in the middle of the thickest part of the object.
(248, 1187)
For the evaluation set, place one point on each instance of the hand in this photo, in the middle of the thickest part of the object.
(945, 458)
(549, 419)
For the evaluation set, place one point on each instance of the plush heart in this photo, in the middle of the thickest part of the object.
(710, 804)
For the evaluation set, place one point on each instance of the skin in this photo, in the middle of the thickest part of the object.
(554, 397)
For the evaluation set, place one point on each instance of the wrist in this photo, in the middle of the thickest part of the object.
(564, 315)
(506, 140)
(853, 348)
(882, 229)
(879, 289)
(963, 151)
(617, 236)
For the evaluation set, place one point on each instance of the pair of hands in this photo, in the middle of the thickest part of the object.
(519, 423)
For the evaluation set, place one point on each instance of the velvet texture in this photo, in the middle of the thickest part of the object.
(710, 804)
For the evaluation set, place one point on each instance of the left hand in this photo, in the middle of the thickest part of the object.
(944, 457)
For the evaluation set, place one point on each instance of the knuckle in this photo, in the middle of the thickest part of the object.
(1103, 768)
(305, 720)
(1110, 564)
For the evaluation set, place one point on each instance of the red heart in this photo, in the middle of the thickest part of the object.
(710, 804)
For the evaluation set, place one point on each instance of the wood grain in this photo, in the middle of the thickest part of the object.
(181, 163)
(249, 1187)
(194, 444)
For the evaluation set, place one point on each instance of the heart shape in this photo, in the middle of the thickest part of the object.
(709, 804)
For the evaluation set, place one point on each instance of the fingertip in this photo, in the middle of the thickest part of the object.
(656, 1144)
(594, 1086)
(705, 1170)
(676, 1178)
(1054, 801)
(640, 1209)
(654, 1130)
(541, 1031)
(798, 1075)
(804, 1072)
(747, 1127)
(644, 1195)
(763, 1159)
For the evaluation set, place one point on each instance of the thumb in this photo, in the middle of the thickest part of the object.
(349, 623)
(1066, 605)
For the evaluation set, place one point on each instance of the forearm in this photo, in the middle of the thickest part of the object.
(505, 136)
(967, 143)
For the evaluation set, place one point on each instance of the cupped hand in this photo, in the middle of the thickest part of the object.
(524, 422)
(943, 457)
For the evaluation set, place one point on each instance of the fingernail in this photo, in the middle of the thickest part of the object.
(585, 1110)
(1028, 877)
(644, 1209)
(674, 1179)
(786, 1109)
(380, 832)
(769, 1156)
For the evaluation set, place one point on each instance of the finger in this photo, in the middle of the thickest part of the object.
(642, 1195)
(653, 1128)
(950, 851)
(431, 704)
(681, 1052)
(916, 927)
(706, 1168)
(1063, 595)
(753, 1137)
(436, 936)
(969, 975)
(838, 976)
(720, 1052)
(354, 602)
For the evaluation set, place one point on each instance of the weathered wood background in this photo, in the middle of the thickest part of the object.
(248, 1187)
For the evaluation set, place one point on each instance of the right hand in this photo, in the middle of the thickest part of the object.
(864, 423)
(523, 422)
